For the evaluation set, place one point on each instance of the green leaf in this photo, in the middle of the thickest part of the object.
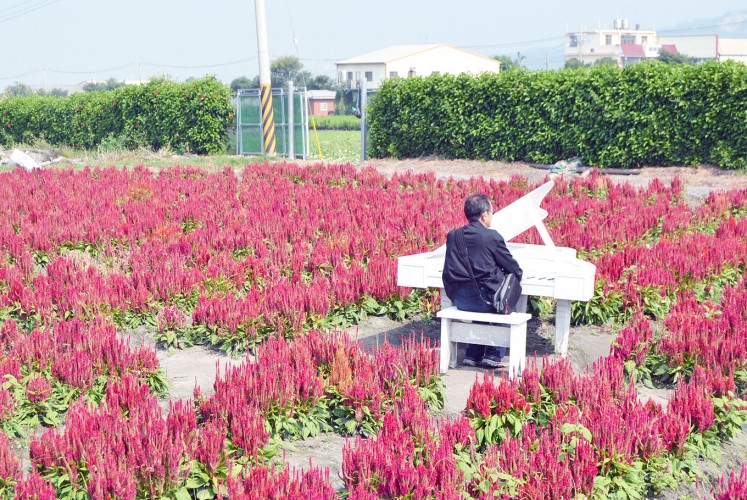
(182, 494)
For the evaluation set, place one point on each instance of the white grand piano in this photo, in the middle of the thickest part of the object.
(549, 271)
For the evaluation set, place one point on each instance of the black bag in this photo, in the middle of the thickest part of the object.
(504, 289)
(507, 296)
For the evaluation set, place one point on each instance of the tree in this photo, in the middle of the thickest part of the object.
(668, 58)
(18, 89)
(321, 82)
(605, 61)
(55, 92)
(506, 62)
(573, 64)
(283, 69)
(110, 84)
(243, 82)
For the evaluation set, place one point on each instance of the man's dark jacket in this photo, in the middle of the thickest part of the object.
(486, 248)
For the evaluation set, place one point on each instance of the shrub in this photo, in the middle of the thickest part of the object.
(646, 114)
(186, 116)
(337, 122)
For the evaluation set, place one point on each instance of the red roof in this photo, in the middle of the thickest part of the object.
(632, 50)
(671, 48)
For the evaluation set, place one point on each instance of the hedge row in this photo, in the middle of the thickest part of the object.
(337, 122)
(191, 117)
(645, 114)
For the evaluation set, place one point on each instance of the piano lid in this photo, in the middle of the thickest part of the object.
(514, 219)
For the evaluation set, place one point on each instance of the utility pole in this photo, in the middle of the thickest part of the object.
(265, 89)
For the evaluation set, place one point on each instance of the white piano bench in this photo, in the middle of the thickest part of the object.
(505, 330)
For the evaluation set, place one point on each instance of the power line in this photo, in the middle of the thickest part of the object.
(696, 28)
(12, 7)
(17, 76)
(200, 66)
(90, 72)
(19, 13)
(513, 44)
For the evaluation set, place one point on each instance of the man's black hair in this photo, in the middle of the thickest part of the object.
(475, 206)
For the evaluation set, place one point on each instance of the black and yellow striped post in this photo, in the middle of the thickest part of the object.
(268, 119)
(265, 90)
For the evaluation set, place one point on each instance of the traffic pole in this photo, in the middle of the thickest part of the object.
(265, 88)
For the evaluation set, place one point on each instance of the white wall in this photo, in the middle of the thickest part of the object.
(443, 59)
(359, 72)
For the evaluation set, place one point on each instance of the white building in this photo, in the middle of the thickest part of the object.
(591, 46)
(628, 45)
(412, 60)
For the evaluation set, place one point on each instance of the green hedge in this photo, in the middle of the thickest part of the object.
(190, 117)
(645, 114)
(337, 122)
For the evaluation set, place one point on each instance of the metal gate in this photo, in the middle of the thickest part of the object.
(287, 127)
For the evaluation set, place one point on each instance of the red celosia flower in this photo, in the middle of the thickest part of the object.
(38, 389)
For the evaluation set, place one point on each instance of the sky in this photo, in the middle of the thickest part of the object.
(69, 41)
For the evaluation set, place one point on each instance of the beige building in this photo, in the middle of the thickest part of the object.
(732, 49)
(700, 47)
(401, 61)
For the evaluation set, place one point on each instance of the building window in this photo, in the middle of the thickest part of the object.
(644, 39)
(350, 76)
(357, 76)
(627, 39)
(574, 40)
(411, 72)
(339, 76)
(435, 72)
(608, 39)
(322, 106)
(369, 76)
(393, 74)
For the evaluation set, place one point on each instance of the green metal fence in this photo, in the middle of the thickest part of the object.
(249, 123)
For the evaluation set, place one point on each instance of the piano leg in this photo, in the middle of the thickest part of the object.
(562, 326)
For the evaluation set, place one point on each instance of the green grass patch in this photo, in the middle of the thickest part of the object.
(336, 145)
(335, 122)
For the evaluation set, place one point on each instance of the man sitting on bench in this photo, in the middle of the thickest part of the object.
(486, 250)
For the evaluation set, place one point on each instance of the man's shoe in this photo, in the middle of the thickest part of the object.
(469, 362)
(491, 360)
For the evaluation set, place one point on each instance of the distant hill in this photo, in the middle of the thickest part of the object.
(730, 25)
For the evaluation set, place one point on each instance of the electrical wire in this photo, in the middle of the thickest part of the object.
(17, 76)
(14, 15)
(696, 28)
(89, 72)
(240, 61)
(12, 7)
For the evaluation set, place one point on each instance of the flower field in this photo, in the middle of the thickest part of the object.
(274, 261)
